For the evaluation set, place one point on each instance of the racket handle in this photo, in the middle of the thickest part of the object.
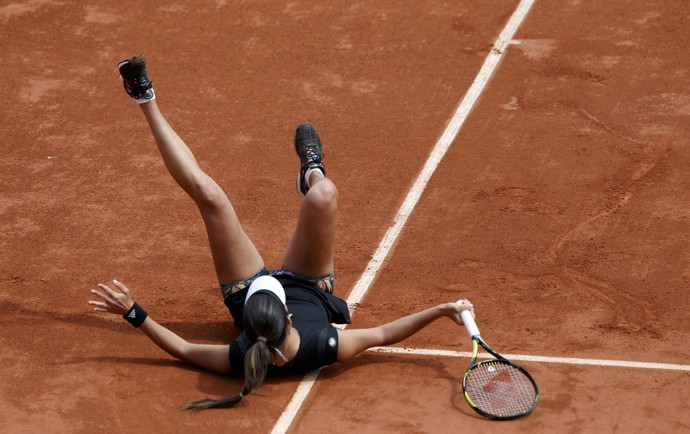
(470, 325)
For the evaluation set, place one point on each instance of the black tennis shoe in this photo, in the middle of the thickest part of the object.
(308, 147)
(136, 81)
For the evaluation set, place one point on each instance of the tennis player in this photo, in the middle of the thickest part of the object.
(286, 315)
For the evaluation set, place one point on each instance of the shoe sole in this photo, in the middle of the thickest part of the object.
(138, 60)
(299, 187)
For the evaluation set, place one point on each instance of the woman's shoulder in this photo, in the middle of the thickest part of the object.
(318, 348)
(319, 343)
(238, 348)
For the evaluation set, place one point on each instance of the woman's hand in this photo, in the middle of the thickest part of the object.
(114, 301)
(452, 310)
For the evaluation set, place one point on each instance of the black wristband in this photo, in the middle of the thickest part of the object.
(135, 315)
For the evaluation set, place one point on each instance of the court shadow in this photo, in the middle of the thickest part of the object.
(125, 360)
(212, 331)
(454, 379)
(208, 383)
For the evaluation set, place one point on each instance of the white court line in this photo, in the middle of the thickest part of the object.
(439, 151)
(541, 359)
(449, 135)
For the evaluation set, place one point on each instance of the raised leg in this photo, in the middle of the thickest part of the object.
(310, 250)
(234, 255)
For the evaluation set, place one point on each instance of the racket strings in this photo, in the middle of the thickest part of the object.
(500, 389)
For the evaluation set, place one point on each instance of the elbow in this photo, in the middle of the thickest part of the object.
(181, 351)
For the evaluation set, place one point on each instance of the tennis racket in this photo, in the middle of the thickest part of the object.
(496, 388)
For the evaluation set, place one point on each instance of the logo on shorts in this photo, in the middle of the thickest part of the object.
(331, 342)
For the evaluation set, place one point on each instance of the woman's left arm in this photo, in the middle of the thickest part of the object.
(354, 341)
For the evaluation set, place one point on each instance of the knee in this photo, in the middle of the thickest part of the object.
(323, 195)
(206, 193)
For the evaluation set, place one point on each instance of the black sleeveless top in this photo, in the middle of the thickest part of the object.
(312, 311)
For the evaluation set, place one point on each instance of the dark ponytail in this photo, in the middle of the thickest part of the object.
(204, 404)
(265, 322)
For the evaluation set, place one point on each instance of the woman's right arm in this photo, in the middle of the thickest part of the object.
(214, 358)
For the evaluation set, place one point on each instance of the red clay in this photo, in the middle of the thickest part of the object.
(561, 211)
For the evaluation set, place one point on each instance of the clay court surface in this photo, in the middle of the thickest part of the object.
(561, 209)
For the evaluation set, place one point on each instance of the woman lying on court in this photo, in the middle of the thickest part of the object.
(285, 315)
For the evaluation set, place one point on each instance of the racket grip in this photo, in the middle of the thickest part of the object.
(470, 325)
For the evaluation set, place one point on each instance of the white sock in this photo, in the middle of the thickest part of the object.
(307, 175)
(151, 97)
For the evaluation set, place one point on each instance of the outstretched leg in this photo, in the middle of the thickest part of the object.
(310, 250)
(234, 255)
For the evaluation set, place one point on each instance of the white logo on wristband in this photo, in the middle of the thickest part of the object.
(133, 314)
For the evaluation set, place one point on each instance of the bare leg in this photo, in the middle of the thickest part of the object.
(310, 251)
(234, 255)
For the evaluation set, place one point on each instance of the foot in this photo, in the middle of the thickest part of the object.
(308, 147)
(135, 80)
